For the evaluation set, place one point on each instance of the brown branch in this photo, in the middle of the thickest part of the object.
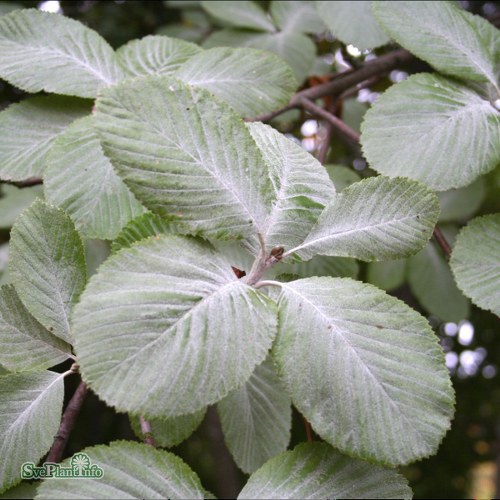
(273, 114)
(67, 423)
(309, 432)
(32, 181)
(441, 241)
(147, 431)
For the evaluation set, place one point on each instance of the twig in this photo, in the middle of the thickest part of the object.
(441, 241)
(147, 431)
(309, 433)
(32, 181)
(67, 423)
(324, 145)
(273, 114)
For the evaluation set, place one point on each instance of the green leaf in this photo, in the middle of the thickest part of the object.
(299, 16)
(256, 419)
(47, 265)
(155, 55)
(252, 81)
(388, 274)
(131, 470)
(432, 283)
(353, 23)
(28, 129)
(42, 51)
(315, 470)
(165, 328)
(342, 176)
(422, 126)
(375, 219)
(30, 413)
(461, 204)
(21, 491)
(14, 200)
(341, 267)
(24, 343)
(6, 7)
(243, 14)
(168, 432)
(141, 227)
(441, 34)
(474, 262)
(301, 187)
(172, 150)
(365, 369)
(96, 252)
(295, 48)
(81, 180)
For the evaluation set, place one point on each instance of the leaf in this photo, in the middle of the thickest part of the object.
(294, 48)
(24, 343)
(131, 470)
(315, 470)
(155, 55)
(96, 252)
(168, 432)
(141, 227)
(353, 23)
(165, 328)
(30, 413)
(252, 81)
(22, 490)
(14, 200)
(341, 267)
(301, 187)
(42, 51)
(365, 369)
(47, 265)
(387, 275)
(173, 152)
(81, 180)
(6, 7)
(474, 262)
(441, 34)
(342, 176)
(299, 16)
(432, 283)
(28, 129)
(375, 219)
(422, 126)
(256, 419)
(461, 204)
(242, 13)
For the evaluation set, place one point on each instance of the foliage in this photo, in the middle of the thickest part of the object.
(231, 279)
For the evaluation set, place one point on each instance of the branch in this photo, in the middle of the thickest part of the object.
(147, 432)
(309, 433)
(32, 181)
(67, 423)
(441, 241)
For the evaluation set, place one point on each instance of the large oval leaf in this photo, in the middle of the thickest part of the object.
(130, 470)
(364, 368)
(252, 81)
(42, 51)
(28, 129)
(441, 34)
(434, 130)
(164, 328)
(375, 219)
(81, 180)
(475, 262)
(297, 16)
(243, 13)
(47, 265)
(30, 413)
(184, 153)
(315, 470)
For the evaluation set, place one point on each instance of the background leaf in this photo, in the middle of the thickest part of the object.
(81, 180)
(47, 265)
(341, 267)
(252, 81)
(24, 343)
(172, 151)
(315, 470)
(353, 23)
(14, 200)
(342, 176)
(42, 51)
(387, 274)
(182, 330)
(296, 16)
(474, 261)
(131, 470)
(463, 203)
(375, 219)
(256, 419)
(28, 129)
(30, 413)
(365, 369)
(434, 130)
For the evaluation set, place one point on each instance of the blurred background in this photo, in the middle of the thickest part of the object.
(468, 462)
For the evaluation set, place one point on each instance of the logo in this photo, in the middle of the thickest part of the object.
(79, 466)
